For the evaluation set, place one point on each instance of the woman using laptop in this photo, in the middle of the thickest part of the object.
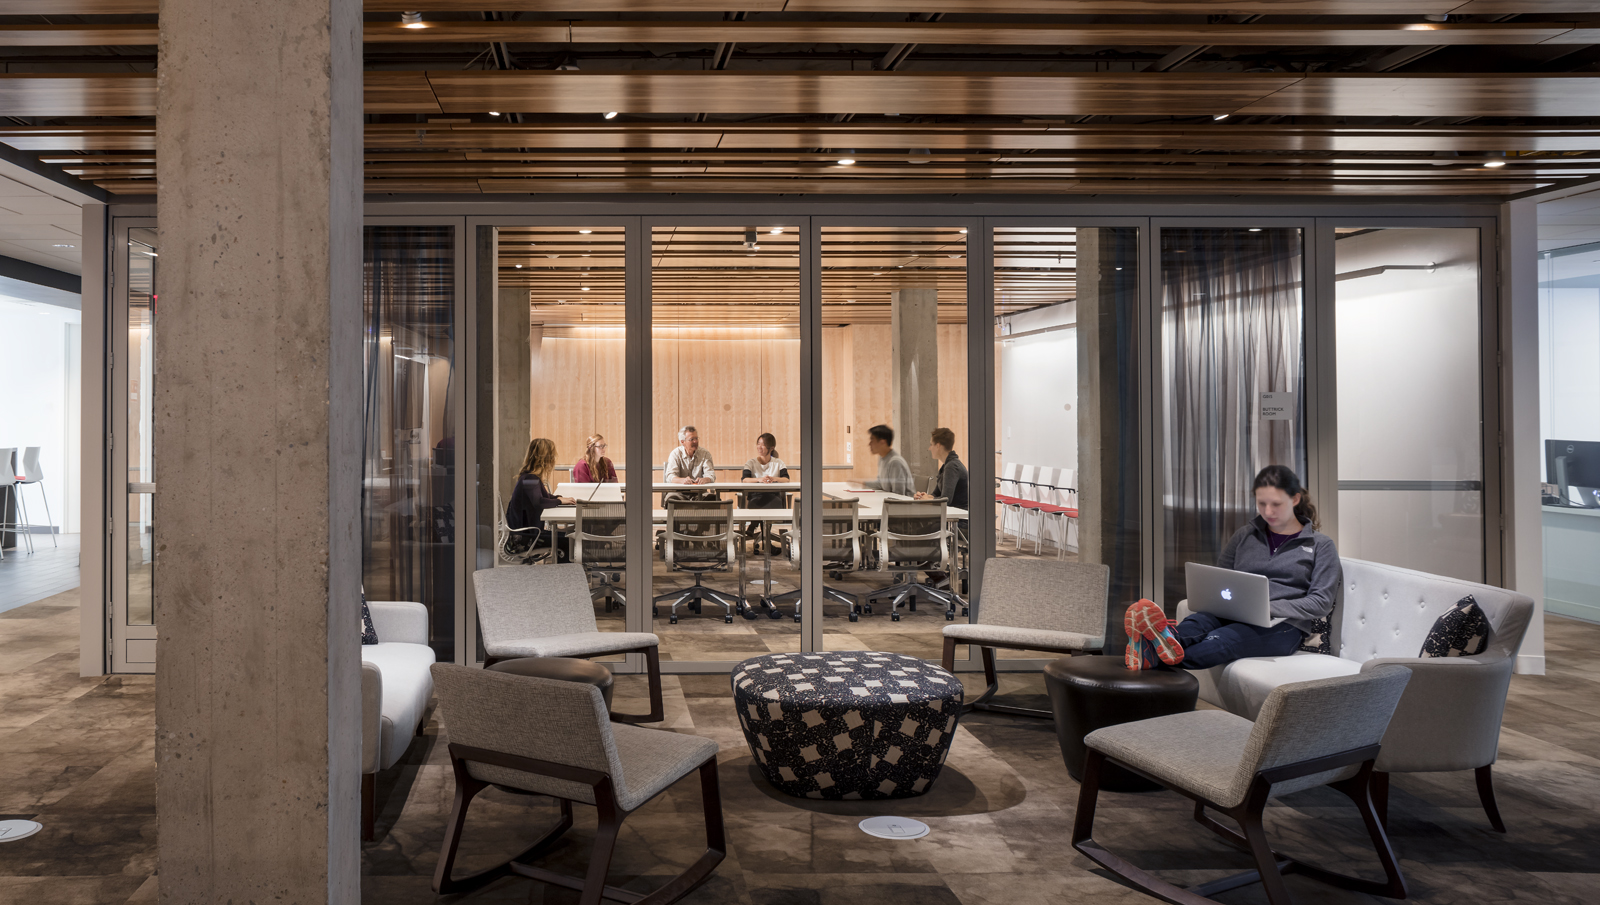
(1281, 543)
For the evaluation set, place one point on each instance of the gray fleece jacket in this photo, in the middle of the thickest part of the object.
(1304, 573)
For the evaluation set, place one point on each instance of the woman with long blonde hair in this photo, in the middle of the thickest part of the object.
(531, 496)
(594, 467)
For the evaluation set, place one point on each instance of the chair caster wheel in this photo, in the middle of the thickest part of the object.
(797, 620)
(750, 614)
(855, 617)
(672, 620)
(894, 617)
(778, 614)
(728, 619)
(949, 617)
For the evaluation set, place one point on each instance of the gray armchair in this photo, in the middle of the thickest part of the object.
(550, 737)
(1308, 734)
(546, 611)
(1032, 604)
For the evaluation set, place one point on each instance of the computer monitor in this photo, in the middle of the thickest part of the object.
(1572, 463)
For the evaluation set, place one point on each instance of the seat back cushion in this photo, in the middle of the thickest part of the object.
(518, 602)
(1387, 611)
(1045, 594)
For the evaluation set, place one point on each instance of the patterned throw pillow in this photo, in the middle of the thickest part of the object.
(1463, 631)
(369, 634)
(1320, 641)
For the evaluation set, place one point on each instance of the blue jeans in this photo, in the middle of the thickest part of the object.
(1208, 641)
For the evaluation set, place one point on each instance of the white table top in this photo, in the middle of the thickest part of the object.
(569, 513)
(610, 493)
(871, 502)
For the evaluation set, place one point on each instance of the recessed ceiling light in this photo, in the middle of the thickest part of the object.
(412, 20)
(494, 113)
(1255, 229)
(585, 232)
(533, 244)
(1495, 163)
(583, 288)
(877, 273)
(847, 161)
(611, 115)
(1220, 117)
(963, 232)
(518, 266)
(775, 231)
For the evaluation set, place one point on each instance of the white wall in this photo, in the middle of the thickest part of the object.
(1410, 404)
(1569, 348)
(39, 404)
(1039, 390)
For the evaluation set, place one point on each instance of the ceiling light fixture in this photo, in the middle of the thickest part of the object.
(583, 288)
(963, 232)
(518, 266)
(585, 232)
(611, 115)
(494, 113)
(775, 231)
(848, 158)
(1494, 163)
(1255, 229)
(412, 20)
(1220, 117)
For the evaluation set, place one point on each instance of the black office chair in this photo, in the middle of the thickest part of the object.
(913, 537)
(840, 543)
(700, 538)
(599, 544)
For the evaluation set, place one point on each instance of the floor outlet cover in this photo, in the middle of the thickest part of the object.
(12, 830)
(894, 828)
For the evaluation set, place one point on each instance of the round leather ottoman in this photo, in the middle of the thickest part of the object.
(847, 725)
(1089, 693)
(564, 668)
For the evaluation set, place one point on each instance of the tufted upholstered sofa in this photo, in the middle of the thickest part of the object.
(1449, 716)
(395, 689)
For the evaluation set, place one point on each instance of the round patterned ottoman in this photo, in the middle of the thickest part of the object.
(847, 725)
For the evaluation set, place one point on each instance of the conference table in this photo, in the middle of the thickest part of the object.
(557, 517)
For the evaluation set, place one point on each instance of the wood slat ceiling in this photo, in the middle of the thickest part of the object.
(1312, 97)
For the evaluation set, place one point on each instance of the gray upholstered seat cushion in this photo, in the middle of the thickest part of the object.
(563, 723)
(1198, 751)
(582, 644)
(1028, 638)
(1243, 685)
(406, 688)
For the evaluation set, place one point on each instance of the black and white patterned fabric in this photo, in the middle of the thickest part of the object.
(1462, 631)
(369, 634)
(847, 725)
(1320, 641)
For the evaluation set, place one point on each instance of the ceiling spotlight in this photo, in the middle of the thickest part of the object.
(877, 273)
(775, 231)
(611, 115)
(1437, 17)
(1255, 229)
(412, 20)
(848, 158)
(533, 244)
(963, 232)
(1494, 163)
(585, 232)
(518, 266)
(1220, 117)
(583, 288)
(494, 113)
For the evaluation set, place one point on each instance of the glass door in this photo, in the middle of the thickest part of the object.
(131, 468)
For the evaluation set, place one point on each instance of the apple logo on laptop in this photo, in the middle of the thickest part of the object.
(1227, 594)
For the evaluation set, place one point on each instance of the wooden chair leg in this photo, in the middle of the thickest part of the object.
(948, 660)
(658, 711)
(369, 794)
(1266, 860)
(1378, 790)
(1485, 775)
(605, 843)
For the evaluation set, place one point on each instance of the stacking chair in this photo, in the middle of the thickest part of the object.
(549, 737)
(700, 538)
(1059, 507)
(1032, 604)
(1034, 481)
(840, 543)
(913, 537)
(1308, 734)
(600, 545)
(32, 473)
(546, 611)
(1009, 496)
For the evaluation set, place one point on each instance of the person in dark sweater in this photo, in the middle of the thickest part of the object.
(531, 495)
(950, 484)
(1282, 543)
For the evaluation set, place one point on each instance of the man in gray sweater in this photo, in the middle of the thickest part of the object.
(894, 474)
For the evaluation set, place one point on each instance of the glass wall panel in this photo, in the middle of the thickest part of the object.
(558, 363)
(409, 441)
(1232, 330)
(725, 346)
(894, 356)
(1410, 400)
(142, 263)
(1067, 452)
(1569, 385)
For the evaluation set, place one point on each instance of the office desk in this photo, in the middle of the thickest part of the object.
(612, 492)
(1571, 563)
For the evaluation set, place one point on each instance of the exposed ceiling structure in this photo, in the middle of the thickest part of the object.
(1238, 97)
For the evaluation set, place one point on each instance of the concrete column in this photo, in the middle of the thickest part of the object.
(914, 370)
(257, 435)
(513, 375)
(1108, 415)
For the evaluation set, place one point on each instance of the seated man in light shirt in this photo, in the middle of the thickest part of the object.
(689, 464)
(894, 474)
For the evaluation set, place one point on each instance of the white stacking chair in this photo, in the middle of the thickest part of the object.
(1032, 478)
(32, 473)
(1011, 486)
(9, 488)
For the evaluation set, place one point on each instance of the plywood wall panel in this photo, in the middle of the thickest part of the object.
(874, 396)
(780, 395)
(952, 386)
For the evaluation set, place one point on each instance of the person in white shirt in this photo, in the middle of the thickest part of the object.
(689, 464)
(765, 468)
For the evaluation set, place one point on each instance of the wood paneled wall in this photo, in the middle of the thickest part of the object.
(733, 384)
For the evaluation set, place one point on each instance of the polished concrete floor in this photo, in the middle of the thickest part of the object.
(50, 569)
(76, 754)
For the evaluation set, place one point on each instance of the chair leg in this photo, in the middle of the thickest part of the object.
(605, 843)
(1379, 792)
(1485, 775)
(1266, 861)
(49, 520)
(1083, 841)
(369, 793)
(467, 788)
(716, 843)
(658, 712)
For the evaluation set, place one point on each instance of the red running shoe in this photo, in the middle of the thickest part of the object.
(1146, 620)
(1141, 654)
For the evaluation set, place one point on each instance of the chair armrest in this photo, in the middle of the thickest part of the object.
(371, 716)
(399, 620)
(1449, 716)
(1180, 614)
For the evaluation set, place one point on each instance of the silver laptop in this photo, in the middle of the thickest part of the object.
(1227, 594)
